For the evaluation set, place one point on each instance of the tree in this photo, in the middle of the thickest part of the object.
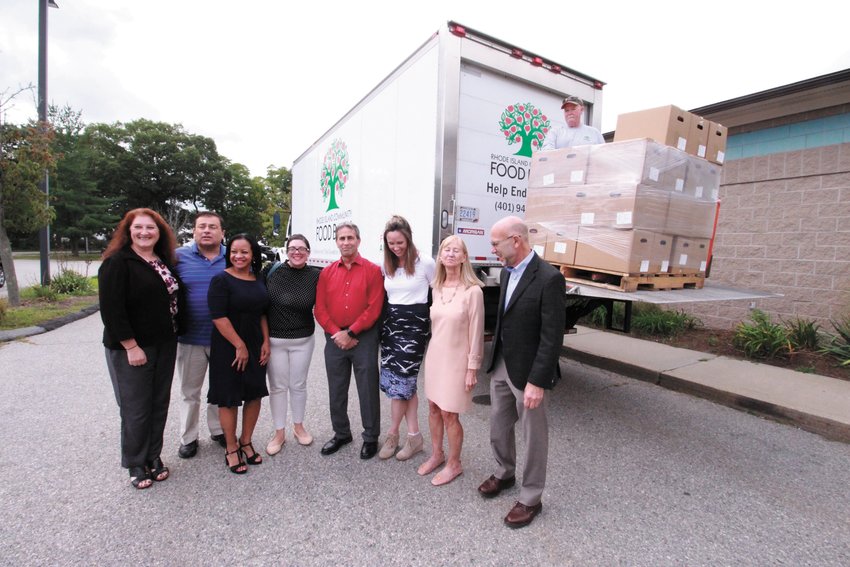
(278, 183)
(81, 212)
(241, 201)
(25, 157)
(157, 165)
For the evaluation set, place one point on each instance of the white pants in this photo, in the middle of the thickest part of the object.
(192, 363)
(287, 374)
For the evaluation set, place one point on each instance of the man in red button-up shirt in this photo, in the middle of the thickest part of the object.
(349, 299)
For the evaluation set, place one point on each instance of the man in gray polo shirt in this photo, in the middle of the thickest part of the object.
(576, 132)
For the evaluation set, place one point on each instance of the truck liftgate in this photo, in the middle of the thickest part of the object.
(583, 299)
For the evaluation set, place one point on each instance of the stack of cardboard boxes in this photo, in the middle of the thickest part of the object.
(644, 204)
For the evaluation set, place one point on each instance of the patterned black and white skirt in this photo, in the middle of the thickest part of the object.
(404, 336)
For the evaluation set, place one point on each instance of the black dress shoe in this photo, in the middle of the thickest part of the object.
(219, 439)
(334, 445)
(368, 450)
(188, 450)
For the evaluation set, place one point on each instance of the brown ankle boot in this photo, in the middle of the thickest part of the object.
(413, 445)
(390, 445)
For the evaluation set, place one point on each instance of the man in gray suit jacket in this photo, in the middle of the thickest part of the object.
(523, 366)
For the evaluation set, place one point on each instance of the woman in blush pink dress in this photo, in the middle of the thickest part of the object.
(453, 357)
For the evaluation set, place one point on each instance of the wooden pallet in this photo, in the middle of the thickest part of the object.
(631, 282)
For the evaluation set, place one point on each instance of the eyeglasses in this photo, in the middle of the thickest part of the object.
(497, 242)
(300, 249)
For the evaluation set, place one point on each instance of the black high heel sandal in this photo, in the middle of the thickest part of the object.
(256, 458)
(158, 471)
(235, 468)
(138, 475)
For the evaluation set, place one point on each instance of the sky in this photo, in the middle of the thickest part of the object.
(266, 79)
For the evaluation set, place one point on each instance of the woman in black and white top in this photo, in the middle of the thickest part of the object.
(292, 290)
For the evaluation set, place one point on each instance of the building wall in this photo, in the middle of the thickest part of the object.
(825, 127)
(784, 224)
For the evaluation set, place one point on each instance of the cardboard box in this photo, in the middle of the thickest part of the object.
(641, 161)
(622, 251)
(620, 206)
(690, 255)
(717, 137)
(703, 180)
(556, 168)
(690, 217)
(537, 236)
(561, 245)
(542, 205)
(669, 125)
(698, 136)
(615, 206)
(662, 250)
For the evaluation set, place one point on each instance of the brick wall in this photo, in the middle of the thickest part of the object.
(784, 227)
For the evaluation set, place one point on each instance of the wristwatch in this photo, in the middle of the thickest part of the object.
(351, 333)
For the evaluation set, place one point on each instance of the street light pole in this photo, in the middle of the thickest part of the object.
(44, 232)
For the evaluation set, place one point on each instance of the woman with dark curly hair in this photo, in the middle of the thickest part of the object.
(239, 349)
(142, 305)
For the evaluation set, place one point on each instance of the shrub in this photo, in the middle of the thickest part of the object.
(839, 345)
(4, 305)
(652, 320)
(71, 282)
(803, 334)
(596, 318)
(762, 338)
(43, 292)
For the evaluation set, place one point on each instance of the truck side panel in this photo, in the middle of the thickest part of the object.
(376, 162)
(502, 121)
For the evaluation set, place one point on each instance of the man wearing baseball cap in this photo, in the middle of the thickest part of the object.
(576, 132)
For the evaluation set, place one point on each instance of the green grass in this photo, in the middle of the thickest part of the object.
(39, 305)
(61, 255)
(37, 312)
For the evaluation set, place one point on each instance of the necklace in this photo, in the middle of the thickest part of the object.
(442, 298)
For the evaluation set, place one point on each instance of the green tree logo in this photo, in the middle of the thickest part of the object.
(334, 172)
(526, 125)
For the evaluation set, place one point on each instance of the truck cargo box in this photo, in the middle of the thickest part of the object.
(446, 140)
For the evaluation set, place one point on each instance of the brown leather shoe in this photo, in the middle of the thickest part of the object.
(494, 486)
(522, 515)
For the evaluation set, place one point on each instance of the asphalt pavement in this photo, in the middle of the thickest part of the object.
(638, 475)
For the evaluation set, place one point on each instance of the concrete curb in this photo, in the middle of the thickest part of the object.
(14, 334)
(783, 413)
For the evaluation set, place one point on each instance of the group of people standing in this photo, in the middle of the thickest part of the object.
(203, 307)
(210, 306)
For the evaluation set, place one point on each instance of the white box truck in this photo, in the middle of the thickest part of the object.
(445, 141)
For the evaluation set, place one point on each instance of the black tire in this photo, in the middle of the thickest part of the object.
(2, 276)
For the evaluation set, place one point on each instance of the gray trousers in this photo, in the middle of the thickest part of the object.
(192, 363)
(142, 393)
(364, 360)
(507, 408)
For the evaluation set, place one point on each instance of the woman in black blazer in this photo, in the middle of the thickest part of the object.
(141, 304)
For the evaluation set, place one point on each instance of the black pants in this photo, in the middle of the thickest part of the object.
(364, 360)
(143, 394)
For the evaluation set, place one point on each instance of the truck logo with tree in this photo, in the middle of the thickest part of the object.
(526, 125)
(334, 173)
